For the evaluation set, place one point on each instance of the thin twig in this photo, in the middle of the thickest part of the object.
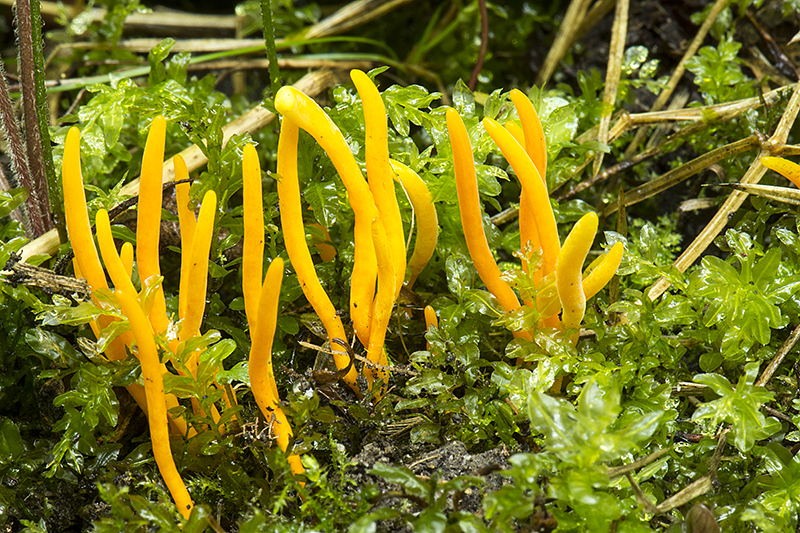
(77, 101)
(685, 171)
(678, 71)
(766, 375)
(473, 80)
(361, 358)
(613, 73)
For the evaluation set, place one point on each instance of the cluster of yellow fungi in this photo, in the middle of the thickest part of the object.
(380, 264)
(526, 152)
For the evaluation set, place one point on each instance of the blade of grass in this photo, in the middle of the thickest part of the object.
(786, 195)
(573, 18)
(80, 83)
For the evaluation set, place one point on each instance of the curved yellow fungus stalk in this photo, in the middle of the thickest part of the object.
(198, 273)
(148, 221)
(156, 405)
(601, 274)
(430, 320)
(536, 221)
(379, 172)
(425, 215)
(80, 232)
(188, 222)
(253, 253)
(569, 271)
(262, 376)
(471, 220)
(516, 130)
(788, 169)
(295, 241)
(305, 113)
(126, 256)
(122, 283)
(382, 312)
(535, 144)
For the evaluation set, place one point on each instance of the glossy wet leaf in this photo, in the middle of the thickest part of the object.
(585, 435)
(739, 406)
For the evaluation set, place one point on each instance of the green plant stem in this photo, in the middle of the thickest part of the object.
(272, 52)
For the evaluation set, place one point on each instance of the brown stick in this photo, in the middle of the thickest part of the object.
(773, 365)
(38, 203)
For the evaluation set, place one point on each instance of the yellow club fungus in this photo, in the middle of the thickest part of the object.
(425, 216)
(148, 222)
(537, 225)
(188, 222)
(382, 311)
(296, 247)
(569, 271)
(379, 172)
(788, 169)
(262, 376)
(535, 144)
(253, 251)
(305, 113)
(431, 320)
(152, 368)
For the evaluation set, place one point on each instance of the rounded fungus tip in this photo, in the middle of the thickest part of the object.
(284, 100)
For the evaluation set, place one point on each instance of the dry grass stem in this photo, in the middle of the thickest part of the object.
(677, 73)
(613, 73)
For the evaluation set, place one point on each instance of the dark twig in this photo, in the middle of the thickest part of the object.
(657, 150)
(773, 365)
(473, 80)
(38, 201)
(16, 273)
(782, 62)
(77, 101)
